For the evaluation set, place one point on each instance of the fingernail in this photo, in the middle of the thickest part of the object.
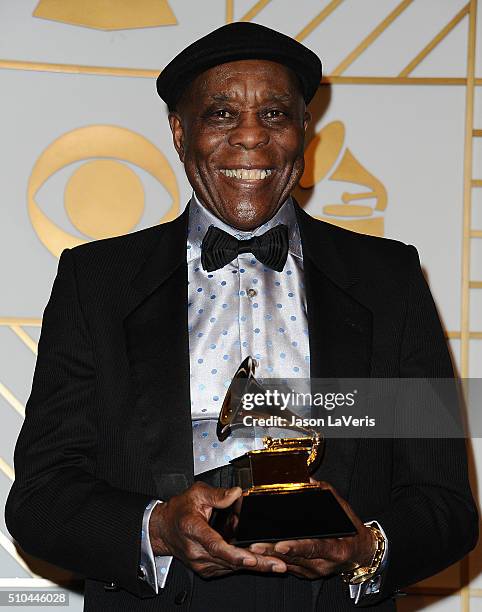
(282, 548)
(258, 548)
(276, 567)
(249, 561)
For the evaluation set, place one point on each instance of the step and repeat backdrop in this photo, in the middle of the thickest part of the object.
(394, 150)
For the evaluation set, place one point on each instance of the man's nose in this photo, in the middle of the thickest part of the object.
(249, 133)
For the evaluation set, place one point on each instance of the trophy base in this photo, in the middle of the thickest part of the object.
(283, 514)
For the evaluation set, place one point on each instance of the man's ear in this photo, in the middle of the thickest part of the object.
(175, 123)
(306, 119)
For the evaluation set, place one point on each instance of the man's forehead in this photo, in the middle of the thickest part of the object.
(227, 96)
(263, 79)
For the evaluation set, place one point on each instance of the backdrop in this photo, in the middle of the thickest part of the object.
(395, 150)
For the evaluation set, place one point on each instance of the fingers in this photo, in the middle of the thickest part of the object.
(215, 497)
(211, 569)
(226, 497)
(262, 548)
(291, 549)
(188, 536)
(321, 557)
(202, 548)
(308, 549)
(336, 550)
(234, 557)
(268, 564)
(217, 548)
(309, 568)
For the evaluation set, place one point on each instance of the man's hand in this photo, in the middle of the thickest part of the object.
(179, 527)
(315, 558)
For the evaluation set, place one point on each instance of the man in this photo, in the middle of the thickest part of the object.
(141, 336)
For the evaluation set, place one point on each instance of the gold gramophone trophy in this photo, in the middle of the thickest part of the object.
(279, 501)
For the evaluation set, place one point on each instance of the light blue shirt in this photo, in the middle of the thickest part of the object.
(241, 309)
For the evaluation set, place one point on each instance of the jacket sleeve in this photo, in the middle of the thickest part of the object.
(57, 509)
(432, 521)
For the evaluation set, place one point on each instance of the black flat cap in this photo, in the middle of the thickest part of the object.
(238, 41)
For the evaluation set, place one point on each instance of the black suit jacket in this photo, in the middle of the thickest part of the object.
(108, 423)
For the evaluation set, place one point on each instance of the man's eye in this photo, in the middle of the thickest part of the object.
(274, 113)
(222, 114)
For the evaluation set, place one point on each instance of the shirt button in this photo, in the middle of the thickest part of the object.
(252, 293)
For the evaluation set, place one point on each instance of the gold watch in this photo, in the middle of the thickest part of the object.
(361, 573)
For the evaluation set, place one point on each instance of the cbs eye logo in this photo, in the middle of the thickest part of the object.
(103, 197)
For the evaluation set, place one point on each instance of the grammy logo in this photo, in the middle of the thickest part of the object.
(320, 157)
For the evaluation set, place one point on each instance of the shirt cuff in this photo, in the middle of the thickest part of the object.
(372, 585)
(152, 570)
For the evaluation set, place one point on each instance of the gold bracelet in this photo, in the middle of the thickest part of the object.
(362, 573)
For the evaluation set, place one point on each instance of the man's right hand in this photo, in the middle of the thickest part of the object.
(179, 528)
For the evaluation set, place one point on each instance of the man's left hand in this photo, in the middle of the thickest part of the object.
(316, 558)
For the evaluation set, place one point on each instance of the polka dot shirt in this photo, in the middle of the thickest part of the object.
(239, 310)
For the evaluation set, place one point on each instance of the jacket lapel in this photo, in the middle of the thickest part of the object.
(158, 351)
(340, 331)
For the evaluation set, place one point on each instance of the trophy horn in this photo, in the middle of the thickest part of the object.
(233, 411)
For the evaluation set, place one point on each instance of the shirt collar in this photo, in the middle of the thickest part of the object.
(200, 218)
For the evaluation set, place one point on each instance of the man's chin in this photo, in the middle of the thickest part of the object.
(243, 207)
(247, 216)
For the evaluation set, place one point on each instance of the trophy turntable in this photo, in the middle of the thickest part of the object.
(279, 501)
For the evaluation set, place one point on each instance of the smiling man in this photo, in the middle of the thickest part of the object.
(118, 469)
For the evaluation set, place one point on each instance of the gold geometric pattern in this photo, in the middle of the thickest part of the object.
(436, 40)
(374, 34)
(52, 9)
(17, 327)
(103, 197)
(108, 14)
(320, 156)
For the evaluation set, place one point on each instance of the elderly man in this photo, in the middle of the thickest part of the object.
(117, 466)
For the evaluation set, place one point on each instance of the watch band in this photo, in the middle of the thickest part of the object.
(361, 573)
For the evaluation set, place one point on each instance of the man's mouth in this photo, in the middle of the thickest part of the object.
(252, 174)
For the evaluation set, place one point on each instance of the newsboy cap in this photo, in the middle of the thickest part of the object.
(238, 41)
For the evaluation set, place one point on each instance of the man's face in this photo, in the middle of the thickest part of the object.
(239, 130)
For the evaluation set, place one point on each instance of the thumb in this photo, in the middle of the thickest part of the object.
(223, 498)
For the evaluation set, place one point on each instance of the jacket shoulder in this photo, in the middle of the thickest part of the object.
(118, 246)
(116, 252)
(365, 243)
(114, 262)
(367, 254)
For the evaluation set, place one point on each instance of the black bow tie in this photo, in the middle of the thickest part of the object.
(218, 248)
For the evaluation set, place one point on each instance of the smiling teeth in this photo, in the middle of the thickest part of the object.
(243, 173)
